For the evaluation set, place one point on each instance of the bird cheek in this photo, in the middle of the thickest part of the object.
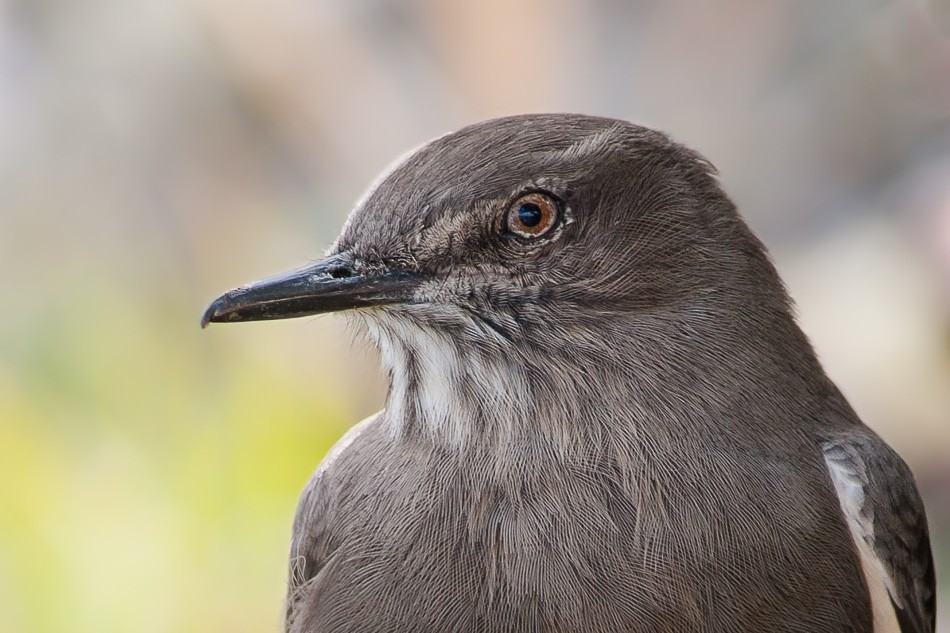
(438, 289)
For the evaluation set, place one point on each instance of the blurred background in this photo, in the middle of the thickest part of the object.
(154, 153)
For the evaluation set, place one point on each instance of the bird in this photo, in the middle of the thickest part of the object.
(601, 415)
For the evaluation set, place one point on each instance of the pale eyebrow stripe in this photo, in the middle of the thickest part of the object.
(593, 143)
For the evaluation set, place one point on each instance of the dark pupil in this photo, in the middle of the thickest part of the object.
(529, 214)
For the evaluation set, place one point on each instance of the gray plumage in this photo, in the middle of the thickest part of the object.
(615, 425)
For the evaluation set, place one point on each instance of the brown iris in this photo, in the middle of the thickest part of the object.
(532, 215)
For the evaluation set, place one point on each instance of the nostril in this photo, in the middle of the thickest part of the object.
(341, 272)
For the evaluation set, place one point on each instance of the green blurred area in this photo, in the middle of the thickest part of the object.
(154, 153)
(149, 477)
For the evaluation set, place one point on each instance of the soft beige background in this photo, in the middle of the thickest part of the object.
(156, 152)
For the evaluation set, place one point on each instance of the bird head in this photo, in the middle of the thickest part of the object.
(532, 252)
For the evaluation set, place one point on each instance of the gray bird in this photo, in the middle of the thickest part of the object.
(602, 415)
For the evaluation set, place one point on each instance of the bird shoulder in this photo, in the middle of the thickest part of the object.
(310, 546)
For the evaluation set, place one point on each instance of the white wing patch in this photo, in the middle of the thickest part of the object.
(850, 481)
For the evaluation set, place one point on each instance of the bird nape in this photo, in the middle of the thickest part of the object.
(602, 415)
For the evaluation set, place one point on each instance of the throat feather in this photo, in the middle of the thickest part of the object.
(445, 390)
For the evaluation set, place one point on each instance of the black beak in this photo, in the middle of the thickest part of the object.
(329, 285)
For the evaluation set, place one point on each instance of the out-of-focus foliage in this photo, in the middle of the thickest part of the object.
(156, 152)
(149, 478)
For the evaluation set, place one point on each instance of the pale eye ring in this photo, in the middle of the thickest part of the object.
(532, 215)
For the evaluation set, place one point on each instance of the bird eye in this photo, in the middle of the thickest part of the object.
(532, 215)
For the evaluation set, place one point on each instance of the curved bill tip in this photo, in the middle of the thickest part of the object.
(211, 313)
(206, 317)
(222, 308)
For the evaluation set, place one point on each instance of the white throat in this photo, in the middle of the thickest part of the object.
(446, 392)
